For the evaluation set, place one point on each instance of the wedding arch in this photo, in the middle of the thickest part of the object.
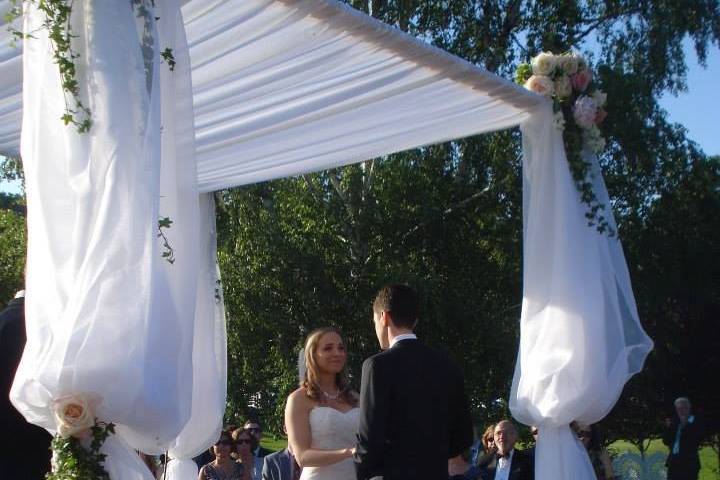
(124, 313)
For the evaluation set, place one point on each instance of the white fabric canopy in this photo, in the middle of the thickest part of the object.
(264, 89)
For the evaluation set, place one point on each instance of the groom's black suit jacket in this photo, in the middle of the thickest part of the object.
(414, 414)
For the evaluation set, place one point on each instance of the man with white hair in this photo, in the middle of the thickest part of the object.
(506, 463)
(683, 435)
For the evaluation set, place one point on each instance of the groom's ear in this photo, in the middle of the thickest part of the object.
(386, 319)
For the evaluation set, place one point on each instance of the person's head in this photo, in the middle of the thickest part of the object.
(245, 442)
(488, 439)
(683, 408)
(505, 436)
(325, 354)
(253, 426)
(534, 432)
(224, 446)
(589, 435)
(396, 307)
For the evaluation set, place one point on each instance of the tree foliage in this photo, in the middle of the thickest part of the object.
(310, 251)
(12, 246)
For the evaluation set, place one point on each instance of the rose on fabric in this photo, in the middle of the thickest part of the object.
(585, 111)
(73, 414)
(540, 84)
(563, 87)
(581, 80)
(600, 97)
(543, 64)
(569, 63)
(559, 120)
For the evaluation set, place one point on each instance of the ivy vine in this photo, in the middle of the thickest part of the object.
(72, 460)
(168, 253)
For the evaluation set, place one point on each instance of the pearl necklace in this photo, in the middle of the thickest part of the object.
(331, 397)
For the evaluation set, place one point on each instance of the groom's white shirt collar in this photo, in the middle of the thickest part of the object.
(404, 336)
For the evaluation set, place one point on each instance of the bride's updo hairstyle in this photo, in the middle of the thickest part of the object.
(312, 374)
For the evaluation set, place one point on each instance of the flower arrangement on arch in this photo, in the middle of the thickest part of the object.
(80, 436)
(579, 111)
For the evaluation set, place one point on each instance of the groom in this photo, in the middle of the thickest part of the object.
(414, 413)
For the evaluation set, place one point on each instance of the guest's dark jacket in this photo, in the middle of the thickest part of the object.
(26, 456)
(521, 466)
(414, 414)
(690, 439)
(279, 466)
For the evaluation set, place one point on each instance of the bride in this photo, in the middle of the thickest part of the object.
(322, 415)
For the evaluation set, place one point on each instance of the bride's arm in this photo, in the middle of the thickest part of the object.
(297, 420)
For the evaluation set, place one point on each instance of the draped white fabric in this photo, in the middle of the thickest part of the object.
(265, 89)
(105, 313)
(581, 338)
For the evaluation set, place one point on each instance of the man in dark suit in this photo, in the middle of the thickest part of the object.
(280, 466)
(506, 463)
(414, 413)
(683, 435)
(27, 452)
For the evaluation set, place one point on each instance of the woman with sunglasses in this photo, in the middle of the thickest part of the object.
(224, 467)
(245, 444)
(589, 435)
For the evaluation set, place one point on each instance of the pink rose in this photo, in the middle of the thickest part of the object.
(600, 116)
(581, 80)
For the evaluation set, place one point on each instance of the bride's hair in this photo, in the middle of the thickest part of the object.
(311, 378)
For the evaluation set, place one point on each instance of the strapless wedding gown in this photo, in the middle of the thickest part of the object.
(331, 430)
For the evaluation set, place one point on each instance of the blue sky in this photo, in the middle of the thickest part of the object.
(697, 109)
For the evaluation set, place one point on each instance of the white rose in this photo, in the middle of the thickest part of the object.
(584, 111)
(581, 62)
(559, 120)
(569, 64)
(600, 97)
(563, 86)
(543, 64)
(540, 84)
(594, 139)
(73, 414)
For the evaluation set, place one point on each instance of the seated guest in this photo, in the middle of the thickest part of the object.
(245, 445)
(224, 467)
(507, 463)
(281, 466)
(589, 435)
(488, 440)
(255, 429)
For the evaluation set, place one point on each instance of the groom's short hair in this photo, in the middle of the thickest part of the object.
(402, 303)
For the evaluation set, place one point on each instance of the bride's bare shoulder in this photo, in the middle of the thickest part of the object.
(300, 398)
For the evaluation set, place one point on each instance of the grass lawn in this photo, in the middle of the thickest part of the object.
(708, 458)
(273, 443)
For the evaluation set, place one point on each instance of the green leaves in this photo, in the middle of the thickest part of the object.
(167, 56)
(168, 253)
(73, 461)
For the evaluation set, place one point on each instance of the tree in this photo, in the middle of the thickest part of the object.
(12, 247)
(310, 251)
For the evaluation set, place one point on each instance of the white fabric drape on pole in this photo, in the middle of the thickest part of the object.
(581, 338)
(106, 314)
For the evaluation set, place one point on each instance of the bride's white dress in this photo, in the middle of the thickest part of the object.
(332, 429)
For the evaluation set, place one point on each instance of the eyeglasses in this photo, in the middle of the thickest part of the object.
(253, 429)
(240, 441)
